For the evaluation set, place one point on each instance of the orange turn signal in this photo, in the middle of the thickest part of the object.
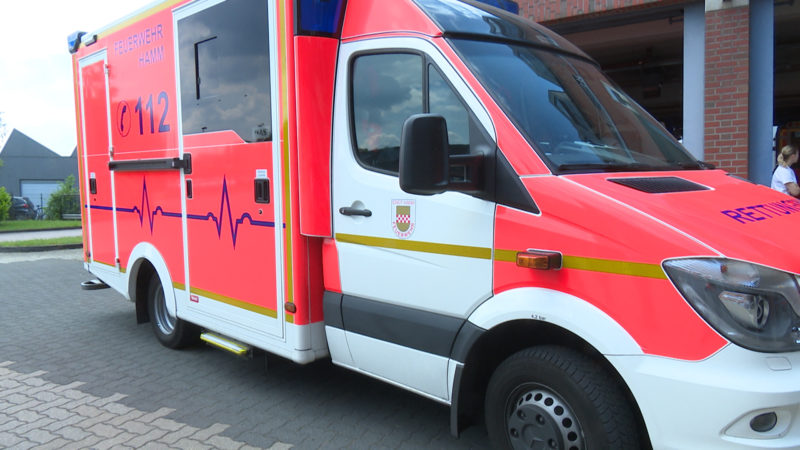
(539, 260)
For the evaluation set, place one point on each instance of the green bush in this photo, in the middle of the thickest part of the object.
(65, 200)
(5, 204)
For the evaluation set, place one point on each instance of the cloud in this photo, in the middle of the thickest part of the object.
(36, 88)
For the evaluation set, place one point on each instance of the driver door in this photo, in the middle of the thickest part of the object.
(412, 267)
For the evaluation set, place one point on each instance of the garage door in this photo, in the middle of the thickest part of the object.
(39, 191)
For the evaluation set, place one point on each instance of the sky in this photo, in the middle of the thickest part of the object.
(36, 89)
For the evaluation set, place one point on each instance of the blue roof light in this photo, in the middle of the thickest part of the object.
(74, 41)
(508, 5)
(319, 17)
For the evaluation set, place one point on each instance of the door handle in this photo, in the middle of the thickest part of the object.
(350, 211)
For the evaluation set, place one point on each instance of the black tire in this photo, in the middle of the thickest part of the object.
(170, 331)
(555, 398)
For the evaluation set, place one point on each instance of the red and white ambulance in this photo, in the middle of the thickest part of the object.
(444, 196)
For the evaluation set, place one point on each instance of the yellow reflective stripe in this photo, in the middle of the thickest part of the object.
(614, 266)
(236, 303)
(417, 246)
(97, 261)
(569, 262)
(287, 197)
(596, 265)
(505, 255)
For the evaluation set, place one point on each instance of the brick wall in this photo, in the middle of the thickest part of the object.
(553, 10)
(726, 90)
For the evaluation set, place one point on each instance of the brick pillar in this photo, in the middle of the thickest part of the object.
(726, 88)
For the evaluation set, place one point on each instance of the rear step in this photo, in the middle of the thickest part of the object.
(225, 343)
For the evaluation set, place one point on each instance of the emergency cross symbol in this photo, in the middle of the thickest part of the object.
(403, 216)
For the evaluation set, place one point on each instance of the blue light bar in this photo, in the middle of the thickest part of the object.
(74, 41)
(508, 5)
(319, 17)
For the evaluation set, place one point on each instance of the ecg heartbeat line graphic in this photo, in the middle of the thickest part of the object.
(143, 210)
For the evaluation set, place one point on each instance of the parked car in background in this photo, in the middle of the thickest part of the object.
(21, 208)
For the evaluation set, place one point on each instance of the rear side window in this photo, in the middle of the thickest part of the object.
(224, 65)
(388, 88)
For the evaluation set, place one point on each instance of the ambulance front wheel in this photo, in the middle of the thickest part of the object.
(555, 398)
(170, 331)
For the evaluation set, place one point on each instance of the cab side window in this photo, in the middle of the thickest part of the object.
(387, 89)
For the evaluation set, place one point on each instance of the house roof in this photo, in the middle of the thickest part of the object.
(19, 145)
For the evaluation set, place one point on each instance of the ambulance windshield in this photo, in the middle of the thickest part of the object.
(570, 113)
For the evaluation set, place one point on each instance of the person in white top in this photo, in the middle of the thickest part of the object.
(784, 179)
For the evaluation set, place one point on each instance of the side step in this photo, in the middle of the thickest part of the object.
(225, 343)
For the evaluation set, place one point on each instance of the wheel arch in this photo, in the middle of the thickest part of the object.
(145, 261)
(529, 317)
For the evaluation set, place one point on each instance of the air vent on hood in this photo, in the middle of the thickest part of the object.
(659, 185)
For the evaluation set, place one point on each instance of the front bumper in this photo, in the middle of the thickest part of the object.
(709, 404)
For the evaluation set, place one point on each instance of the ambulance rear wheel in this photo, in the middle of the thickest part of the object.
(170, 331)
(555, 398)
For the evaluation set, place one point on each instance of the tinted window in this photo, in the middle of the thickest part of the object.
(569, 112)
(387, 89)
(443, 101)
(224, 65)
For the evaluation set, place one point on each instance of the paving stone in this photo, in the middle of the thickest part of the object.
(39, 436)
(10, 425)
(203, 435)
(136, 427)
(167, 424)
(72, 433)
(103, 430)
(97, 371)
(55, 444)
(8, 440)
(152, 435)
(175, 436)
(115, 442)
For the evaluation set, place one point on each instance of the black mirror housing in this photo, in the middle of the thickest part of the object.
(424, 155)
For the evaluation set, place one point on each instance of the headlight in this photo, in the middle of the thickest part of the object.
(753, 306)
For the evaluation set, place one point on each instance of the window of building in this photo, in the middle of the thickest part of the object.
(224, 70)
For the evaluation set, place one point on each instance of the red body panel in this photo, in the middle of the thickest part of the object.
(366, 17)
(739, 220)
(316, 72)
(231, 237)
(577, 225)
(95, 124)
(330, 266)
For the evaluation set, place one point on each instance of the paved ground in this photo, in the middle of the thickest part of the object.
(48, 234)
(77, 372)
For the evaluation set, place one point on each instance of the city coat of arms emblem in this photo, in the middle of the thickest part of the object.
(403, 218)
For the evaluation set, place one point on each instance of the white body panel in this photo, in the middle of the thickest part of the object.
(709, 404)
(437, 280)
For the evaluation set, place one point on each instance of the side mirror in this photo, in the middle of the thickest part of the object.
(424, 155)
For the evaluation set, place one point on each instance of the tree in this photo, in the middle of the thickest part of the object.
(65, 200)
(5, 204)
